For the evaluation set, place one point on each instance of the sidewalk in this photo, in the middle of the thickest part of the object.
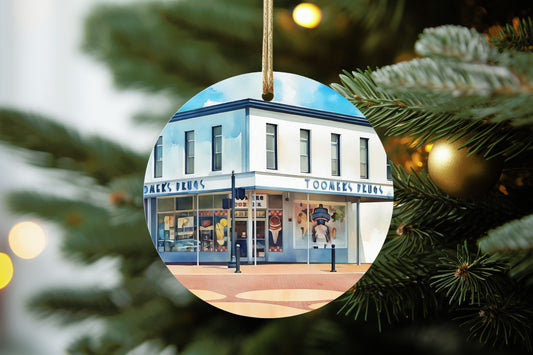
(268, 290)
(266, 269)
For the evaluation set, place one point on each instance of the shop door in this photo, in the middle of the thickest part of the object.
(259, 242)
(241, 228)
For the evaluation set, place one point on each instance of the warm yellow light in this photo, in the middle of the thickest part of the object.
(27, 240)
(6, 270)
(307, 15)
(443, 154)
(428, 147)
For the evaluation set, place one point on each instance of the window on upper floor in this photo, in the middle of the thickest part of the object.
(158, 158)
(335, 154)
(189, 152)
(271, 146)
(363, 156)
(305, 151)
(216, 148)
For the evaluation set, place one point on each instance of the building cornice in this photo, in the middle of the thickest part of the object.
(270, 106)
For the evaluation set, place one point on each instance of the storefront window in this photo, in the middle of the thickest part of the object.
(176, 232)
(323, 225)
(213, 231)
(218, 201)
(185, 203)
(177, 224)
(165, 204)
(206, 202)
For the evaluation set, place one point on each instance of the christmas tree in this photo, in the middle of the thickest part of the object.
(460, 241)
(450, 264)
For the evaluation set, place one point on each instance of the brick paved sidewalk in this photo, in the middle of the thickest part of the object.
(208, 269)
(269, 290)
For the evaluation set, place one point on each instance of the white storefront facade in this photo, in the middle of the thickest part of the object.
(307, 174)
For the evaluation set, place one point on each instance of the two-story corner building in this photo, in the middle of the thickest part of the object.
(307, 174)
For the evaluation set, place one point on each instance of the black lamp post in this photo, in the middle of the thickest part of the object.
(232, 263)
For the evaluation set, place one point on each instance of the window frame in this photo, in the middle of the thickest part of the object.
(307, 154)
(275, 148)
(363, 165)
(188, 168)
(158, 162)
(337, 158)
(214, 153)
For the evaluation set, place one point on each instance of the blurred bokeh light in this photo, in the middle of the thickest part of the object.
(307, 15)
(27, 239)
(6, 270)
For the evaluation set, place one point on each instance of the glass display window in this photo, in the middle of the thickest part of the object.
(206, 231)
(213, 231)
(176, 232)
(321, 226)
(185, 203)
(165, 204)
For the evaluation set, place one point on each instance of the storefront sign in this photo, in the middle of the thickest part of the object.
(343, 186)
(174, 187)
(260, 181)
(260, 202)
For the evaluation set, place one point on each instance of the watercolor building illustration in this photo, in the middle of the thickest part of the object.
(310, 170)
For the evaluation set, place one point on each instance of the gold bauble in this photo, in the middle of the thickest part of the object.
(458, 174)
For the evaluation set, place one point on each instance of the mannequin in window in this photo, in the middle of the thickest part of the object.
(320, 231)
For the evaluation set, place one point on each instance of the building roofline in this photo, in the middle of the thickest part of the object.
(270, 106)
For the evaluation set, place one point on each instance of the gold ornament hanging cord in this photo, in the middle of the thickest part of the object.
(267, 60)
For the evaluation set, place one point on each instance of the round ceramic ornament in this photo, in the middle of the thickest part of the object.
(268, 208)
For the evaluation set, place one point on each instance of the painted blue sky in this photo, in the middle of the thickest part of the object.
(289, 89)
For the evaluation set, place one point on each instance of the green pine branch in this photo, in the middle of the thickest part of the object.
(464, 276)
(463, 44)
(88, 345)
(374, 14)
(422, 207)
(513, 236)
(515, 38)
(409, 239)
(69, 305)
(125, 191)
(513, 242)
(60, 147)
(71, 214)
(451, 94)
(505, 322)
(428, 119)
(393, 289)
(91, 232)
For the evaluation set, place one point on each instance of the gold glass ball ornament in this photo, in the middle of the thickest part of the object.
(459, 174)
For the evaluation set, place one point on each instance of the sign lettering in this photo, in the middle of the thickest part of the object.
(343, 186)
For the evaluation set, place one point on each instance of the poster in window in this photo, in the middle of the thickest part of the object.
(275, 231)
(221, 233)
(324, 224)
